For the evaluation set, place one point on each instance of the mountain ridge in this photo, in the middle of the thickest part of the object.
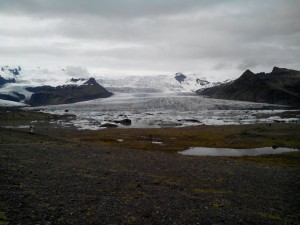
(280, 86)
(66, 94)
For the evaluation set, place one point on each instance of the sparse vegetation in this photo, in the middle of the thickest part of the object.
(66, 176)
(178, 139)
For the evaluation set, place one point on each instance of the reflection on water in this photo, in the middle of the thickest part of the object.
(203, 151)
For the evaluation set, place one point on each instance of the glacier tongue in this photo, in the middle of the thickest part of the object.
(157, 83)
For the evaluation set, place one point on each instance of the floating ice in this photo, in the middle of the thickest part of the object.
(155, 110)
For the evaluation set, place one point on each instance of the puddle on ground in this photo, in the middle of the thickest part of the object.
(156, 142)
(203, 151)
(17, 127)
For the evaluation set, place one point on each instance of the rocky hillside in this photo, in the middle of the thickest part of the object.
(48, 95)
(281, 86)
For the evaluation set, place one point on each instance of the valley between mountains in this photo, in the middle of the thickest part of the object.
(79, 149)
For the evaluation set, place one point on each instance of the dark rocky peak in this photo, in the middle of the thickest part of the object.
(202, 82)
(281, 86)
(91, 81)
(5, 81)
(262, 75)
(74, 80)
(14, 71)
(279, 70)
(180, 77)
(248, 73)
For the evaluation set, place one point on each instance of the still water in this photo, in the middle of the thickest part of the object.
(204, 151)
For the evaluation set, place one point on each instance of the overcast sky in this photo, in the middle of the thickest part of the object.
(152, 36)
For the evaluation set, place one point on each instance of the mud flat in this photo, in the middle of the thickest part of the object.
(65, 176)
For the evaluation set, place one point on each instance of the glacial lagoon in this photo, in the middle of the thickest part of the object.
(156, 110)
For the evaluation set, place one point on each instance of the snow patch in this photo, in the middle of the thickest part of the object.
(6, 103)
(157, 142)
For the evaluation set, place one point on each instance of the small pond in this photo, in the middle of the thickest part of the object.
(204, 151)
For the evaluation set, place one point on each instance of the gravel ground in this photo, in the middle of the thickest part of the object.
(48, 181)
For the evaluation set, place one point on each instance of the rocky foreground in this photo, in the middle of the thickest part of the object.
(50, 177)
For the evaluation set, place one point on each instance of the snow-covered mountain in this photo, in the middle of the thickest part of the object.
(8, 75)
(18, 82)
(194, 82)
(34, 86)
(157, 83)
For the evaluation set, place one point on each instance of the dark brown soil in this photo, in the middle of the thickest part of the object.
(51, 178)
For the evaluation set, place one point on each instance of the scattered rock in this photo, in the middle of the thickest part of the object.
(189, 120)
(108, 125)
(126, 122)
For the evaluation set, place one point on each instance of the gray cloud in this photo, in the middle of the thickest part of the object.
(165, 36)
(101, 8)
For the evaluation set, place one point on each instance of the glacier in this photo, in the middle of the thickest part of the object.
(157, 110)
(152, 101)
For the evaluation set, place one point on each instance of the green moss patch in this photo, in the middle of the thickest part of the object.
(178, 139)
(3, 216)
